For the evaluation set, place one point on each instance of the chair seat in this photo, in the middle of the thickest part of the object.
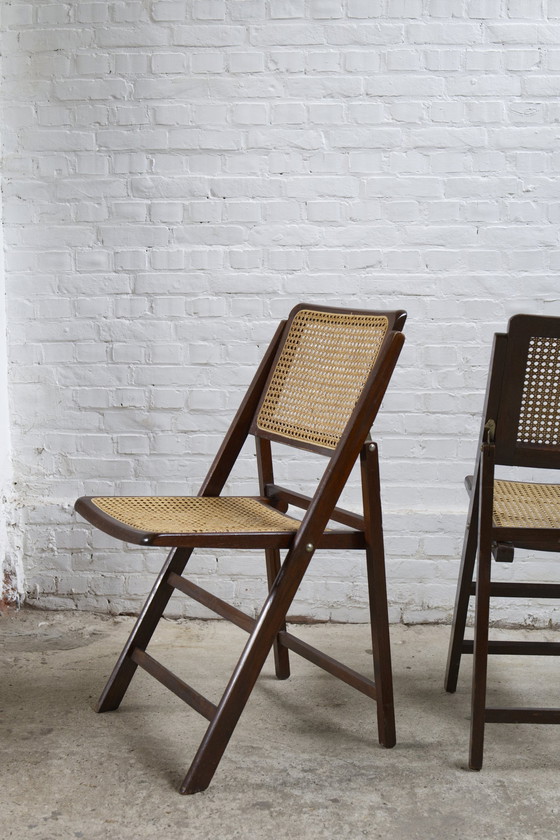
(203, 521)
(520, 504)
(196, 514)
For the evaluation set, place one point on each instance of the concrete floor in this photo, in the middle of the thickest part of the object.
(304, 761)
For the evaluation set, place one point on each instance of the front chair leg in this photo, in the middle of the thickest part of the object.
(247, 670)
(482, 610)
(143, 631)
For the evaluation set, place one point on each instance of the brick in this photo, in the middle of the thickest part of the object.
(169, 10)
(209, 9)
(326, 113)
(484, 60)
(404, 8)
(169, 63)
(197, 35)
(284, 9)
(250, 114)
(444, 33)
(207, 62)
(484, 8)
(131, 62)
(322, 62)
(365, 8)
(246, 62)
(404, 86)
(526, 9)
(403, 60)
(93, 64)
(326, 9)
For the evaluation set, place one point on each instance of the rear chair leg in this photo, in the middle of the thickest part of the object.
(281, 655)
(462, 598)
(377, 586)
(381, 649)
(480, 660)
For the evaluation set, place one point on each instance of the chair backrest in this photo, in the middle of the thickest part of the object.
(325, 361)
(524, 392)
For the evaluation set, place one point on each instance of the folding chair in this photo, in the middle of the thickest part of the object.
(318, 388)
(520, 428)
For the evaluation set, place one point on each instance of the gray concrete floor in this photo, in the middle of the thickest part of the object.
(303, 763)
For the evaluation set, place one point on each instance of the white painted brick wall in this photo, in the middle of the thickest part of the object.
(177, 175)
(11, 569)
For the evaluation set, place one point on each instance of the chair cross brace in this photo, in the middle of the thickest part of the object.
(204, 706)
(508, 648)
(521, 590)
(287, 640)
(163, 675)
(525, 715)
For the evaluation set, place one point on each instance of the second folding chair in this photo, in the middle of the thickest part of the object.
(520, 428)
(318, 388)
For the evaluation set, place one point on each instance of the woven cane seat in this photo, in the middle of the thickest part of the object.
(196, 515)
(320, 374)
(522, 505)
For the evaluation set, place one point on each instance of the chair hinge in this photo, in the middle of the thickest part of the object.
(490, 429)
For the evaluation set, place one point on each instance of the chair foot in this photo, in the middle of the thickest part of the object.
(389, 741)
(281, 660)
(117, 685)
(191, 787)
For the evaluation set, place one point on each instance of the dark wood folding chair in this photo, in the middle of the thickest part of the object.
(520, 428)
(318, 388)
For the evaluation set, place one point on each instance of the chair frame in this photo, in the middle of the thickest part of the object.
(268, 631)
(498, 445)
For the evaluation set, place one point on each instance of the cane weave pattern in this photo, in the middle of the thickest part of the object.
(521, 505)
(320, 375)
(539, 417)
(196, 515)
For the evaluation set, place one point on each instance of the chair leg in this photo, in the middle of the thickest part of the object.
(482, 609)
(246, 672)
(377, 586)
(466, 574)
(480, 660)
(281, 655)
(143, 630)
(381, 646)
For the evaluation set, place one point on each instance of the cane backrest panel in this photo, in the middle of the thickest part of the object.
(528, 420)
(320, 374)
(539, 416)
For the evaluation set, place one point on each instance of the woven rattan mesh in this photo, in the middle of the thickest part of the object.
(196, 515)
(520, 505)
(320, 374)
(539, 417)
